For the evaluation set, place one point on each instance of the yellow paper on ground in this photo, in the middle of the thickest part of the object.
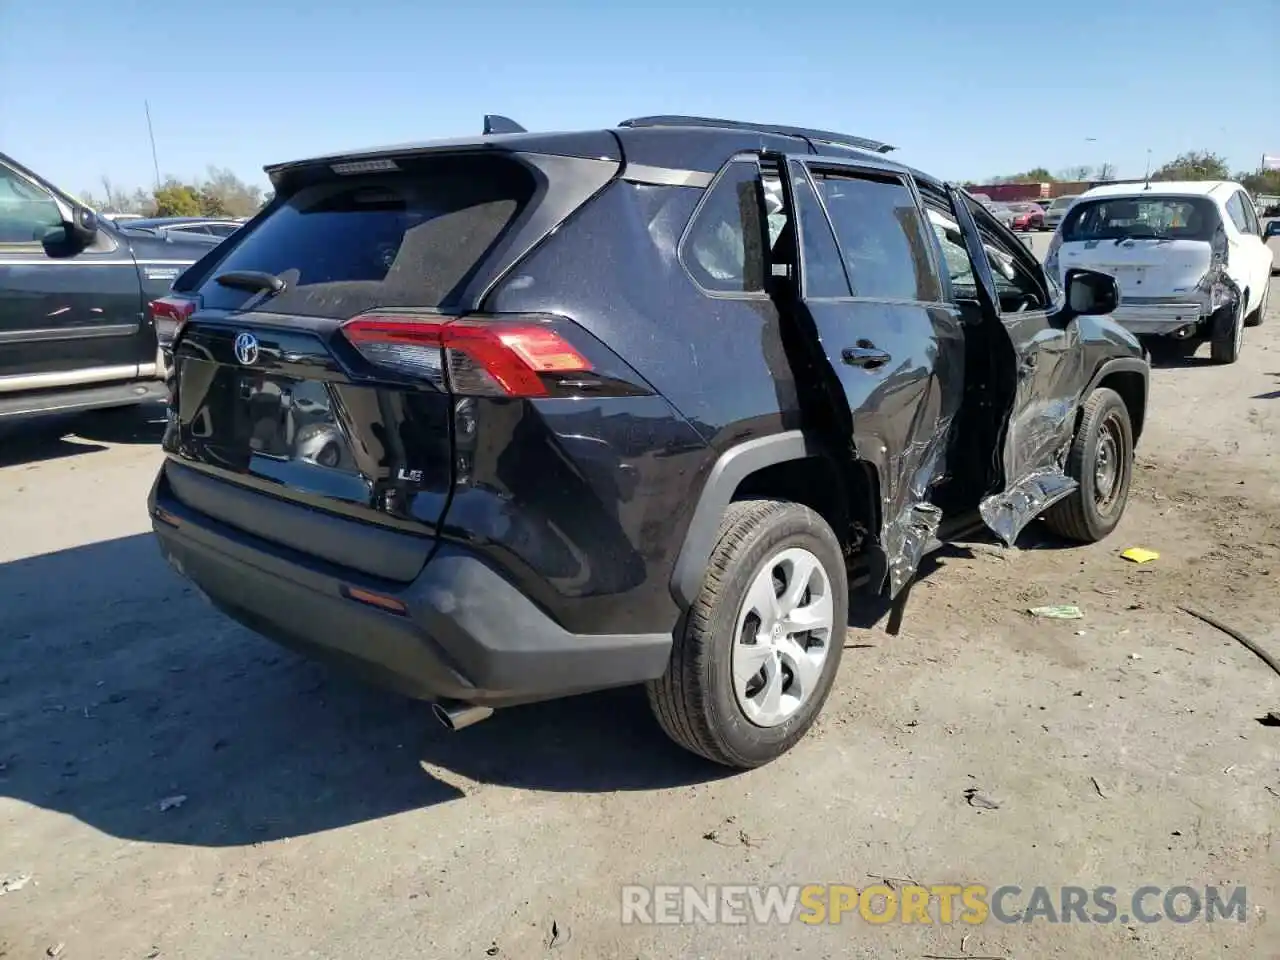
(1140, 555)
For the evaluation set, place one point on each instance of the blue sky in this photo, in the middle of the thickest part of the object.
(965, 90)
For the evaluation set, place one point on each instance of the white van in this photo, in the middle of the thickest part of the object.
(1189, 259)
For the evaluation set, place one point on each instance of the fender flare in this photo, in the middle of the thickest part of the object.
(730, 469)
(726, 475)
(1120, 365)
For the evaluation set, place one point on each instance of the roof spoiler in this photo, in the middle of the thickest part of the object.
(805, 133)
(496, 123)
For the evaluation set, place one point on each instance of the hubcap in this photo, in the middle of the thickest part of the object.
(1108, 465)
(784, 631)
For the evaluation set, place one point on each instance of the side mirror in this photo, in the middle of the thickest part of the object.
(1090, 293)
(1272, 229)
(82, 225)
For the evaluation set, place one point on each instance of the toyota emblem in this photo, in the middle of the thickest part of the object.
(247, 349)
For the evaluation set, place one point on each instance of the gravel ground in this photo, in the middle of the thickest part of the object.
(325, 819)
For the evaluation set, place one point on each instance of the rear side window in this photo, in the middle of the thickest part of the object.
(1241, 209)
(1138, 218)
(723, 248)
(404, 239)
(823, 273)
(881, 237)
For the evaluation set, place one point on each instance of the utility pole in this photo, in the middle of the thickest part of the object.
(150, 133)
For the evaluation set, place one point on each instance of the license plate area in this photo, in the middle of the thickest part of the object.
(290, 420)
(1127, 276)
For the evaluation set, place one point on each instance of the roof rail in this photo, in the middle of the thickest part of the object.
(824, 136)
(497, 123)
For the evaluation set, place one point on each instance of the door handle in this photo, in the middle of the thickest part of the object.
(865, 354)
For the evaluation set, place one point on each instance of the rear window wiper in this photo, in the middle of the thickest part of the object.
(1142, 236)
(254, 281)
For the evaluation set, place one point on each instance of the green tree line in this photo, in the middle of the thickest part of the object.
(1192, 165)
(219, 194)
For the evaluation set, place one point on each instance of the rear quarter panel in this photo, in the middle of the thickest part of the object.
(720, 365)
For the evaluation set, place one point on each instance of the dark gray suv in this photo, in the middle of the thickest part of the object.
(516, 416)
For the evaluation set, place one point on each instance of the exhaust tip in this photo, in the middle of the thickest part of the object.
(457, 716)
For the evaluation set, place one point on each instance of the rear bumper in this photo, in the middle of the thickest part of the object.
(465, 634)
(1157, 319)
(77, 399)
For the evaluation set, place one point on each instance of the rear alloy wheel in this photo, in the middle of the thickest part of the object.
(1256, 318)
(1228, 333)
(761, 645)
(1101, 462)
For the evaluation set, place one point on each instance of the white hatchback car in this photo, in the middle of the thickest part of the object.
(1189, 259)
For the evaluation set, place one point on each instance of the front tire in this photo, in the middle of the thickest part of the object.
(757, 654)
(1101, 462)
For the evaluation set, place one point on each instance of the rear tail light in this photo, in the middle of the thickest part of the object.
(493, 356)
(1219, 248)
(169, 314)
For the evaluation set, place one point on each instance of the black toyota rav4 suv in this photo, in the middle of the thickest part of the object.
(517, 416)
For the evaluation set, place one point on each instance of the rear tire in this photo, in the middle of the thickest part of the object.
(1256, 318)
(1228, 334)
(1101, 462)
(767, 552)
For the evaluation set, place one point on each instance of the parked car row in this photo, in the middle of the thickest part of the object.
(1027, 216)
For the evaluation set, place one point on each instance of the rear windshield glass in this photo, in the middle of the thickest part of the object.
(1153, 218)
(399, 239)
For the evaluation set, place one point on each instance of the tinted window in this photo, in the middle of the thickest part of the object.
(955, 255)
(723, 249)
(348, 244)
(1016, 286)
(222, 229)
(26, 212)
(823, 272)
(1159, 218)
(881, 237)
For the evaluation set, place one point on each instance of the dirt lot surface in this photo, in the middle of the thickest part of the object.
(324, 819)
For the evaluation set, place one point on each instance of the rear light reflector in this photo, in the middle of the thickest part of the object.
(368, 597)
(164, 516)
(493, 356)
(169, 314)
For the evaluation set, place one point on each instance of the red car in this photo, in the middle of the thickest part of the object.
(1027, 215)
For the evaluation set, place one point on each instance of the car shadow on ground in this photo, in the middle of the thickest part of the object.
(865, 612)
(1173, 356)
(120, 691)
(1270, 394)
(70, 435)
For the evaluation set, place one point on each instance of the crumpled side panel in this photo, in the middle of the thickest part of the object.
(910, 521)
(1005, 514)
(1035, 451)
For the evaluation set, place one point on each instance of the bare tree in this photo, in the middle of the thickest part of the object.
(1079, 171)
